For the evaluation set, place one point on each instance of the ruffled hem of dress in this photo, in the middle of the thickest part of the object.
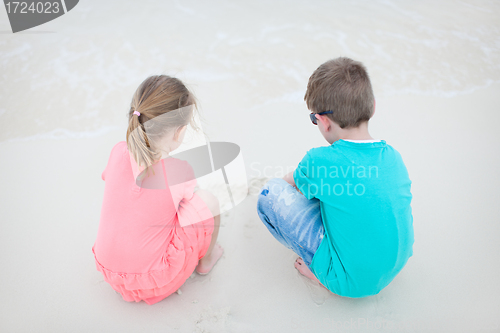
(154, 286)
(134, 281)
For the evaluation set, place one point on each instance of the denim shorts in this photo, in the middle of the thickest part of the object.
(291, 218)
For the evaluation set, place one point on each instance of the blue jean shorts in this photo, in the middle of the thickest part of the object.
(291, 218)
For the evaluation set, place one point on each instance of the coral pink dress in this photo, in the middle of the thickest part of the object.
(147, 244)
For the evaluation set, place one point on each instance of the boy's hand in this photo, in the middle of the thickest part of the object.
(298, 190)
(289, 179)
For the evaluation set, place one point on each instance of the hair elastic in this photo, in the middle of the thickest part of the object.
(137, 113)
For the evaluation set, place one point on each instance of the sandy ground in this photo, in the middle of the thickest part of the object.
(51, 202)
(62, 103)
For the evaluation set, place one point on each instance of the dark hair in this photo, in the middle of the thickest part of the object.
(343, 86)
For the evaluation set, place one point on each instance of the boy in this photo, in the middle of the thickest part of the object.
(345, 210)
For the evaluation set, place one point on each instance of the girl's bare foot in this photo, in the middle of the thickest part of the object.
(207, 262)
(304, 270)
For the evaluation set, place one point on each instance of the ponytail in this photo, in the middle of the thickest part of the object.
(157, 96)
(138, 143)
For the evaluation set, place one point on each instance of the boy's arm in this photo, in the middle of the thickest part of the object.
(289, 179)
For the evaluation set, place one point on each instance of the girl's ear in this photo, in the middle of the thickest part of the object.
(179, 133)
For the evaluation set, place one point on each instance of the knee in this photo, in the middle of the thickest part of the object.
(269, 193)
(273, 187)
(264, 208)
(261, 201)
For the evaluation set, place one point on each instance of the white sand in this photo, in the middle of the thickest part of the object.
(62, 105)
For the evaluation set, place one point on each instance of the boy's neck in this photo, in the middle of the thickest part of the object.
(356, 133)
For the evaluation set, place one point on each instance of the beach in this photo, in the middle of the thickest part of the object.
(66, 88)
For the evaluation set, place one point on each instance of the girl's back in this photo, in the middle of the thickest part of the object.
(151, 238)
(136, 223)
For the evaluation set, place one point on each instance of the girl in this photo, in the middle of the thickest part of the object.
(151, 239)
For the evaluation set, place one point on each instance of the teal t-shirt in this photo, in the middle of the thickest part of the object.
(364, 193)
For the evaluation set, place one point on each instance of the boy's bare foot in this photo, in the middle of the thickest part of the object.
(304, 270)
(207, 262)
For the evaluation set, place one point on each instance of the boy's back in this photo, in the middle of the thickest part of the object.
(351, 223)
(364, 193)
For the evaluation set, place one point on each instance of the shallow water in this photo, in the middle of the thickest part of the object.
(240, 59)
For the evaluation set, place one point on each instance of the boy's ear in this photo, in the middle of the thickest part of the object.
(373, 107)
(325, 121)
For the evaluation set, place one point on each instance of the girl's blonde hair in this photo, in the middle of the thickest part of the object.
(157, 96)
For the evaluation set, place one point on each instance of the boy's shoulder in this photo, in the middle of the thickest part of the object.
(345, 150)
(317, 152)
(339, 145)
(323, 153)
